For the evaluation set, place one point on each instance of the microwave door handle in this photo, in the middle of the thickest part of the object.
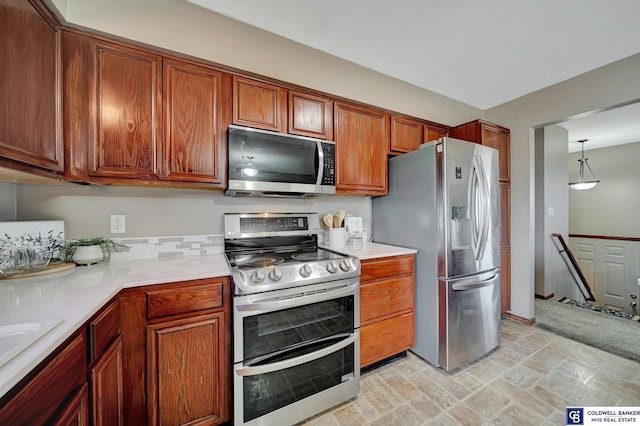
(320, 154)
(302, 359)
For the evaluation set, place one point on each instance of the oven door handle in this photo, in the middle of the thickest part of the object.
(281, 365)
(297, 299)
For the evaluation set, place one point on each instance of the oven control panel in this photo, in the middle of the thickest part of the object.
(268, 278)
(251, 225)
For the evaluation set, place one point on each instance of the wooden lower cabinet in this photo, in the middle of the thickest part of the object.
(183, 362)
(75, 413)
(105, 377)
(55, 394)
(385, 338)
(386, 308)
(177, 353)
(505, 279)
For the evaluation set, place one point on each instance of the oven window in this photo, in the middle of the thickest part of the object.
(277, 330)
(264, 393)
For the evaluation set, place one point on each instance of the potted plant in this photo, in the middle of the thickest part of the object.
(85, 251)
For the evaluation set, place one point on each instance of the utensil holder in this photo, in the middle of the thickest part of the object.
(337, 237)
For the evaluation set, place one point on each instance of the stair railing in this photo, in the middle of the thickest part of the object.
(574, 268)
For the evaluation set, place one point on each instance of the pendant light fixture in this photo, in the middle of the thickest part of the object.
(582, 183)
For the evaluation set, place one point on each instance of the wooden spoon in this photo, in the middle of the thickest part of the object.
(341, 216)
(328, 220)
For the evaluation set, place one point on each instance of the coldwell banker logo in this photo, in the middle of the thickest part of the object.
(574, 416)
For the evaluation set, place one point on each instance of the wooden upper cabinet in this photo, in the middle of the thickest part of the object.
(260, 105)
(362, 138)
(406, 134)
(498, 137)
(194, 128)
(488, 134)
(432, 133)
(30, 83)
(126, 103)
(310, 115)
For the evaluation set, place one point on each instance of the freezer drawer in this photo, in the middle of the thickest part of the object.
(469, 318)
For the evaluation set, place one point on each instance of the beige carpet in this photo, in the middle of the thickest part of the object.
(606, 332)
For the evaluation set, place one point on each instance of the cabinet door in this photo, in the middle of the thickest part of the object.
(75, 412)
(498, 137)
(106, 387)
(260, 105)
(432, 133)
(406, 134)
(30, 82)
(362, 138)
(186, 371)
(310, 115)
(194, 131)
(126, 93)
(40, 399)
(505, 215)
(505, 280)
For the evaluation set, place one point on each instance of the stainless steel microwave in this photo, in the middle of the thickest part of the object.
(269, 164)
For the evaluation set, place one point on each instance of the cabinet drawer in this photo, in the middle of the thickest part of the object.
(184, 299)
(384, 298)
(103, 329)
(383, 339)
(386, 268)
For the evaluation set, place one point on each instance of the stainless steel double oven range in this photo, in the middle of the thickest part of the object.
(296, 314)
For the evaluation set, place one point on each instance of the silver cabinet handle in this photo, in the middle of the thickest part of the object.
(281, 365)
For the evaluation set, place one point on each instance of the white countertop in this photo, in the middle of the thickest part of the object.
(75, 295)
(370, 250)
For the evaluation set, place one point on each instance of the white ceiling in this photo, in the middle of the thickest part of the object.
(613, 127)
(482, 53)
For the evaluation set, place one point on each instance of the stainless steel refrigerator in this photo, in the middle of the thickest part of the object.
(444, 201)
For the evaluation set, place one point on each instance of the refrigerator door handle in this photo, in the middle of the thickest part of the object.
(481, 195)
(466, 284)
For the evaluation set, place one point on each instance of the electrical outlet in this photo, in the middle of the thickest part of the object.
(117, 224)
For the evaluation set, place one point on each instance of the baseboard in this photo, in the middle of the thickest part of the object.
(547, 297)
(521, 320)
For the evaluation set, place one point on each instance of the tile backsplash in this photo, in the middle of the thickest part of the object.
(174, 246)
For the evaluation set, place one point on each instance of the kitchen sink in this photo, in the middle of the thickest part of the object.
(16, 337)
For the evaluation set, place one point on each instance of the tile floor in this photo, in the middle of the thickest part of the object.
(529, 380)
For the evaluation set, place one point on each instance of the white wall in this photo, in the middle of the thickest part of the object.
(8, 201)
(612, 208)
(160, 212)
(602, 88)
(552, 211)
